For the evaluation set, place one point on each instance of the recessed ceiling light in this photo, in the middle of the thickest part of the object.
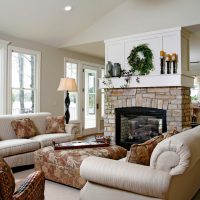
(68, 8)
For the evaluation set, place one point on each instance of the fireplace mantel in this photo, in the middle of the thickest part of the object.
(166, 80)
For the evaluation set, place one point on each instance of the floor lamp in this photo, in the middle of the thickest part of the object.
(67, 85)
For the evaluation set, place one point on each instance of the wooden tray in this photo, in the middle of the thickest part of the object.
(79, 145)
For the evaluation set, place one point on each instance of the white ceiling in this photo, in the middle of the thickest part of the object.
(90, 21)
(45, 21)
(96, 49)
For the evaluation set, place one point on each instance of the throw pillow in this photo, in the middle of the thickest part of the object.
(55, 124)
(141, 153)
(24, 128)
(170, 133)
(186, 128)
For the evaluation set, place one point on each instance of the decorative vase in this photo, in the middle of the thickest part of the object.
(117, 70)
(109, 70)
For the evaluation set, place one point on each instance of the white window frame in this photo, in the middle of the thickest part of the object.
(79, 79)
(36, 77)
(3, 73)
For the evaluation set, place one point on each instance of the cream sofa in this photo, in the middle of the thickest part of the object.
(18, 152)
(173, 174)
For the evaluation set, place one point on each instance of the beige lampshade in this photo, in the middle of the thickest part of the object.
(67, 84)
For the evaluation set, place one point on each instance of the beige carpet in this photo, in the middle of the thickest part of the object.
(52, 190)
(58, 191)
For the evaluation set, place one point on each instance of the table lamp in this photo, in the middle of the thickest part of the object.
(68, 85)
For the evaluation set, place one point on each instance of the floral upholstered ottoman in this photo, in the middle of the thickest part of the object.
(63, 166)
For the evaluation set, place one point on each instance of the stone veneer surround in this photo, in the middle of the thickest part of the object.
(176, 100)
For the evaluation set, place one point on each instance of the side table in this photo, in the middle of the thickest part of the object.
(74, 129)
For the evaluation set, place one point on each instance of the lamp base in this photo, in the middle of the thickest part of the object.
(67, 103)
(67, 116)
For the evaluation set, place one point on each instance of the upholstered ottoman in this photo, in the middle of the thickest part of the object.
(63, 166)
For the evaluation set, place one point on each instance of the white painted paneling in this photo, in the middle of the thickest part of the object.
(166, 80)
(185, 55)
(115, 52)
(171, 44)
(154, 43)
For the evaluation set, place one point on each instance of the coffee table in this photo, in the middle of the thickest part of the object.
(79, 145)
(63, 166)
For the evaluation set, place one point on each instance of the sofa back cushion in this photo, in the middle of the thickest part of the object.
(6, 130)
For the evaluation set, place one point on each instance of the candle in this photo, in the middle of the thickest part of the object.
(162, 53)
(168, 57)
(174, 57)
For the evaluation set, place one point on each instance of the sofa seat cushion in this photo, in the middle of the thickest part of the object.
(47, 139)
(17, 146)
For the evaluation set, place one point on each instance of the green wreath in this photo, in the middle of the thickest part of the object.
(142, 65)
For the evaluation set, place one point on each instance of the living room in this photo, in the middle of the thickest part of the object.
(91, 72)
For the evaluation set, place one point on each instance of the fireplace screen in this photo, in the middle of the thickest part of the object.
(138, 124)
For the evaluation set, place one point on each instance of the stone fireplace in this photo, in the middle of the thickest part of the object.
(138, 124)
(167, 91)
(174, 100)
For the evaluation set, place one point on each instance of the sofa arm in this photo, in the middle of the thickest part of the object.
(177, 156)
(72, 129)
(126, 176)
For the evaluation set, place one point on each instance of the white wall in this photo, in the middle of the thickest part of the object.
(52, 69)
(139, 16)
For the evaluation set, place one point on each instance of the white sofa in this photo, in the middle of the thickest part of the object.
(18, 152)
(173, 174)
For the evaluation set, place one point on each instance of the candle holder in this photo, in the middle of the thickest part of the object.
(168, 61)
(162, 62)
(174, 63)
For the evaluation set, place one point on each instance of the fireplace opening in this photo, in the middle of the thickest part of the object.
(136, 125)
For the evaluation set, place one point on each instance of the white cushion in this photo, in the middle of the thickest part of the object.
(6, 130)
(181, 151)
(47, 139)
(17, 146)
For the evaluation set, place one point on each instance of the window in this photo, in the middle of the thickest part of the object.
(71, 71)
(3, 56)
(24, 81)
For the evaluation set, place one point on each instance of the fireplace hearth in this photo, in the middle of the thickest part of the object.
(138, 124)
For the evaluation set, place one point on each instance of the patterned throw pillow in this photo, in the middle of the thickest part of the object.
(170, 133)
(186, 128)
(24, 128)
(141, 153)
(55, 124)
(7, 181)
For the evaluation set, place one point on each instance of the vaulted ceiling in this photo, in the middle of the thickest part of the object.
(84, 28)
(47, 22)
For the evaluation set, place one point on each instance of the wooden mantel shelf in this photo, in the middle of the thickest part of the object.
(165, 80)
